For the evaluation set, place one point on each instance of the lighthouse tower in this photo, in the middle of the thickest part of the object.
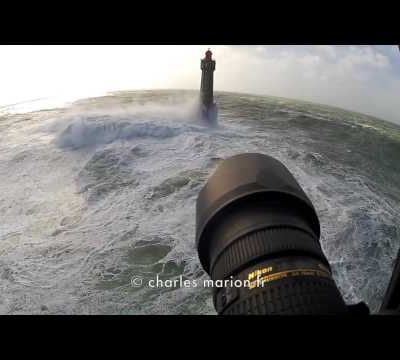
(209, 108)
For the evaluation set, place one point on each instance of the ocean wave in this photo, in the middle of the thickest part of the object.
(125, 205)
(85, 133)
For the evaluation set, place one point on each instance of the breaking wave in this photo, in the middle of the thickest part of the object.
(83, 133)
(105, 190)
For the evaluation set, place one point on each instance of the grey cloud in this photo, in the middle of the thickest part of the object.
(358, 78)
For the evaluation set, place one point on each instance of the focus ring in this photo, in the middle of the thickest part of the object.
(263, 243)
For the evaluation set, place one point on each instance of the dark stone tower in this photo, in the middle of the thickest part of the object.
(209, 108)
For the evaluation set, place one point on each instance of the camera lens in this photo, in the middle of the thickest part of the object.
(257, 235)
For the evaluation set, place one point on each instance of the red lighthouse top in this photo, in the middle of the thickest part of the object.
(208, 54)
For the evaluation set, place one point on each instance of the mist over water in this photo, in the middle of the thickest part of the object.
(103, 190)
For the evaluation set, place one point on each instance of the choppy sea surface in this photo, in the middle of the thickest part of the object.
(103, 190)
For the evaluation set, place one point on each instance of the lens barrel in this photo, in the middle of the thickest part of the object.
(257, 235)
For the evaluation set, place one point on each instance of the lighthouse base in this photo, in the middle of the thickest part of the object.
(209, 114)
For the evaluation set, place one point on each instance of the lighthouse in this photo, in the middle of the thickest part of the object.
(208, 106)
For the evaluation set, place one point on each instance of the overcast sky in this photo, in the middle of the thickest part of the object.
(360, 78)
